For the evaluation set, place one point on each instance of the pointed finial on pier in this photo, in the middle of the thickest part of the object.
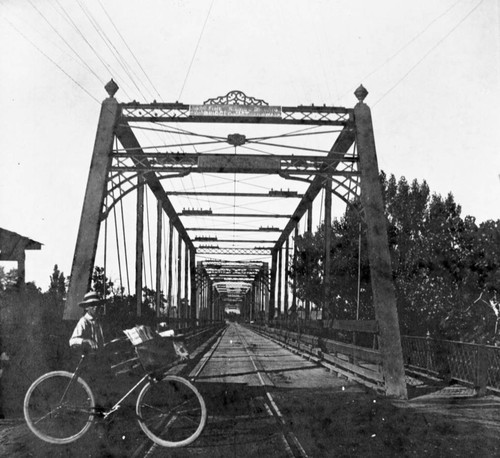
(361, 93)
(111, 87)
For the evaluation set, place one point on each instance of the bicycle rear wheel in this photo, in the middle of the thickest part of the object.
(57, 411)
(171, 412)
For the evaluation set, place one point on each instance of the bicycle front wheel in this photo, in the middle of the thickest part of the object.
(171, 412)
(57, 409)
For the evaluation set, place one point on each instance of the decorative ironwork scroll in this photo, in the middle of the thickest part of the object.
(235, 98)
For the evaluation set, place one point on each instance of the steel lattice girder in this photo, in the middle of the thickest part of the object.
(226, 229)
(216, 240)
(244, 114)
(235, 250)
(273, 193)
(230, 163)
(230, 271)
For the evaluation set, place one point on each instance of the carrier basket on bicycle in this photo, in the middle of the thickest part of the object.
(156, 351)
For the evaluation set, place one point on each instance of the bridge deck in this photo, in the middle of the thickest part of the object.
(244, 357)
(264, 400)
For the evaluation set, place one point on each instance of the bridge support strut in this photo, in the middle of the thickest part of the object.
(384, 297)
(88, 232)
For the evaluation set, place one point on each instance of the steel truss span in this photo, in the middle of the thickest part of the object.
(341, 162)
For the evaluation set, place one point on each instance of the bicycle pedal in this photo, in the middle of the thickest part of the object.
(99, 412)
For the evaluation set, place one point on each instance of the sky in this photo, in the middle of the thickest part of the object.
(432, 70)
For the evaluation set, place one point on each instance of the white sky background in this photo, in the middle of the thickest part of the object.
(432, 70)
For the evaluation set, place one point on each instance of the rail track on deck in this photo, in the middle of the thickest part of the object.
(269, 417)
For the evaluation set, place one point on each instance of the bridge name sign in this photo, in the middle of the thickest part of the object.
(236, 110)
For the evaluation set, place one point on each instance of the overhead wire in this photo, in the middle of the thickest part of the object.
(301, 148)
(195, 50)
(65, 42)
(112, 48)
(129, 49)
(408, 43)
(55, 44)
(318, 49)
(299, 133)
(71, 22)
(185, 132)
(438, 43)
(52, 61)
(205, 185)
(121, 58)
(69, 19)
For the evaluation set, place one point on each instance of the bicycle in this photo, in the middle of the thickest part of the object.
(59, 407)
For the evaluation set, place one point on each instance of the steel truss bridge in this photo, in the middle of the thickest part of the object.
(207, 270)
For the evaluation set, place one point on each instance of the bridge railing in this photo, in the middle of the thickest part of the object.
(353, 346)
(472, 364)
(349, 347)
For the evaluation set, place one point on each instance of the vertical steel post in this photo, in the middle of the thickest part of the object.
(309, 231)
(170, 248)
(88, 232)
(159, 230)
(272, 286)
(280, 275)
(266, 290)
(261, 294)
(328, 242)
(179, 276)
(205, 297)
(294, 290)
(384, 296)
(139, 244)
(252, 303)
(201, 294)
(256, 303)
(210, 302)
(285, 300)
(192, 269)
(185, 307)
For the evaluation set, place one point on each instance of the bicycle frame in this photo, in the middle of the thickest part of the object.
(125, 396)
(75, 377)
(117, 405)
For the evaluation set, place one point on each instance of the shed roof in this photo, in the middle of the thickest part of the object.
(13, 244)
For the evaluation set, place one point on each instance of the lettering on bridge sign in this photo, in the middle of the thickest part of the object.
(235, 110)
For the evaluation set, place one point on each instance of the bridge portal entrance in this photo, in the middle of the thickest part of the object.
(336, 154)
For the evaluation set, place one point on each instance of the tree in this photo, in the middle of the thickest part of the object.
(441, 263)
(57, 283)
(8, 279)
(101, 284)
(308, 270)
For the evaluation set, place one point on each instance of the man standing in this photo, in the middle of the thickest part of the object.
(88, 335)
(88, 331)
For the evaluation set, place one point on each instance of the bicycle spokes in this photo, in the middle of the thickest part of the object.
(171, 412)
(54, 420)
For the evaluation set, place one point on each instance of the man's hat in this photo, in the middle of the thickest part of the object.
(91, 299)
